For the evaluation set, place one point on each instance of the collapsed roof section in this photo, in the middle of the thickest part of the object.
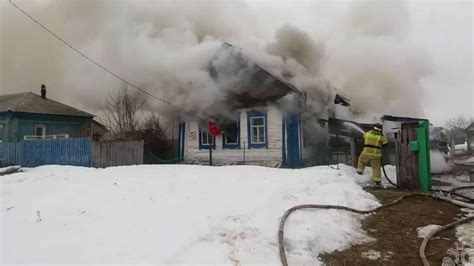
(249, 84)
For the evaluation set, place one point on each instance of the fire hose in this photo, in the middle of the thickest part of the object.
(449, 192)
(423, 258)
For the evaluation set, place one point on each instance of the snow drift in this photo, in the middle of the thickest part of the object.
(177, 214)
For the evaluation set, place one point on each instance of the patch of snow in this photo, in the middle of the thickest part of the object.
(460, 148)
(465, 232)
(438, 163)
(9, 169)
(455, 181)
(177, 214)
(371, 255)
(426, 230)
(468, 161)
(365, 179)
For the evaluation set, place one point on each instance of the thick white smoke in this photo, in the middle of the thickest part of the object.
(374, 62)
(165, 47)
(438, 163)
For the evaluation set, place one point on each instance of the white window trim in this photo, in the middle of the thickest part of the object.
(34, 137)
(259, 126)
(202, 138)
(44, 130)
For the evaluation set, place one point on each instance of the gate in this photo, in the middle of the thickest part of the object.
(413, 161)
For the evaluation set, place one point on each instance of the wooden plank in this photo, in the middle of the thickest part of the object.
(408, 175)
(116, 153)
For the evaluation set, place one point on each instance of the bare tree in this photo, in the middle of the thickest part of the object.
(125, 115)
(122, 112)
(455, 126)
(157, 142)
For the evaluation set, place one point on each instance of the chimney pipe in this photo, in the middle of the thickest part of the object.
(43, 91)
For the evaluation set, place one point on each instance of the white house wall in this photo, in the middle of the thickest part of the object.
(271, 156)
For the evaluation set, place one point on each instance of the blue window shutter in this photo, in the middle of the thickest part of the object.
(254, 114)
(182, 134)
(283, 141)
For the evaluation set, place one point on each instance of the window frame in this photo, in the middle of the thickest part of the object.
(202, 145)
(235, 145)
(251, 116)
(43, 127)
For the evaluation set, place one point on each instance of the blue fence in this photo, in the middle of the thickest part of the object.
(32, 153)
(11, 154)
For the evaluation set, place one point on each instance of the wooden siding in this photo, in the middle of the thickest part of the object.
(17, 125)
(270, 156)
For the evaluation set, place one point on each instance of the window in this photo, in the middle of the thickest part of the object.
(206, 140)
(2, 126)
(231, 135)
(40, 131)
(257, 129)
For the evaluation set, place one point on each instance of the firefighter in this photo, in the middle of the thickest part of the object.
(372, 153)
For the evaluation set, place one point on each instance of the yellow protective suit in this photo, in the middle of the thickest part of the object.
(371, 154)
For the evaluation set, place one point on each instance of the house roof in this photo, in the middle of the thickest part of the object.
(259, 85)
(470, 127)
(252, 84)
(30, 102)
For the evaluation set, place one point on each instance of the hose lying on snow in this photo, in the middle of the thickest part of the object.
(281, 228)
(462, 188)
(433, 233)
(451, 192)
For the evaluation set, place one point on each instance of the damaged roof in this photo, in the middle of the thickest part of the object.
(259, 85)
(30, 102)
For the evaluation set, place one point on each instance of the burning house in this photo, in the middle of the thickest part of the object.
(263, 121)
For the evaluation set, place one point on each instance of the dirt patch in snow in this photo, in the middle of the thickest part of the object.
(395, 231)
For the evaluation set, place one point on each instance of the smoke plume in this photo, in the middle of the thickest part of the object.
(167, 47)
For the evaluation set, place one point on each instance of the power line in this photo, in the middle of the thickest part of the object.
(87, 57)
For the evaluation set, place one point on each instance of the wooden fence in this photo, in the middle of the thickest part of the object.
(116, 153)
(10, 154)
(78, 152)
(63, 152)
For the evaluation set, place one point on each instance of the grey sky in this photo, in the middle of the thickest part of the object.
(445, 28)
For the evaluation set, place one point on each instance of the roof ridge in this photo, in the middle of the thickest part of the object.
(19, 100)
(65, 105)
(31, 102)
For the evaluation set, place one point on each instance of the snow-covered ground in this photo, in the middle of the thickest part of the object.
(454, 181)
(177, 214)
(7, 169)
(426, 230)
(467, 162)
(460, 148)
